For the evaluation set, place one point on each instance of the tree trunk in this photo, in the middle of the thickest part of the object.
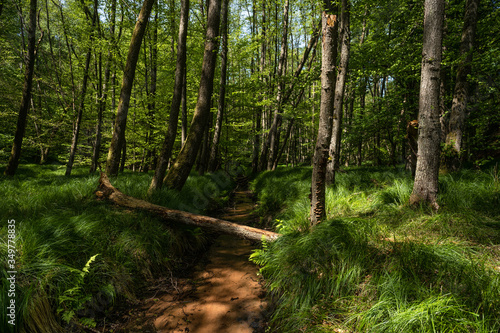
(179, 172)
(334, 150)
(106, 190)
(203, 155)
(118, 138)
(212, 164)
(285, 141)
(458, 108)
(153, 60)
(168, 143)
(26, 98)
(184, 108)
(329, 55)
(425, 188)
(260, 114)
(81, 106)
(272, 142)
(76, 129)
(123, 156)
(103, 96)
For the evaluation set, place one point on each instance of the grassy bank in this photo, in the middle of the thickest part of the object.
(75, 256)
(377, 265)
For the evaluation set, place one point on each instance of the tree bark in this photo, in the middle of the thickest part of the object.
(81, 106)
(212, 163)
(454, 136)
(425, 187)
(103, 96)
(184, 108)
(270, 148)
(26, 98)
(320, 158)
(179, 172)
(76, 129)
(334, 150)
(106, 190)
(152, 83)
(118, 138)
(168, 143)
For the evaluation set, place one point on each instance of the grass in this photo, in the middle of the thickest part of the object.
(377, 265)
(75, 255)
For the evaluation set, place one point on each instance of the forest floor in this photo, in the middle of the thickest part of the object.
(221, 294)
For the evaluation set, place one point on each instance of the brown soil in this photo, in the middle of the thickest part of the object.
(223, 294)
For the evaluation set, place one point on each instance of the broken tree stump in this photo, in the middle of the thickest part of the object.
(108, 191)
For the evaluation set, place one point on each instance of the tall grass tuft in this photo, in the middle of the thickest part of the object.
(60, 226)
(377, 264)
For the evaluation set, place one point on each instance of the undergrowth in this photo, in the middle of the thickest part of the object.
(376, 264)
(75, 255)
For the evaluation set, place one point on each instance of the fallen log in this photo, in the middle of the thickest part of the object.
(108, 191)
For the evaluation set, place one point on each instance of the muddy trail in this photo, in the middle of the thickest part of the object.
(222, 293)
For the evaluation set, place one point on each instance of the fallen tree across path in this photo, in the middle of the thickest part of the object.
(108, 191)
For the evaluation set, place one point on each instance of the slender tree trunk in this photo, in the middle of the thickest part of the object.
(184, 108)
(329, 55)
(180, 69)
(334, 150)
(269, 152)
(454, 137)
(81, 106)
(103, 96)
(260, 115)
(362, 93)
(26, 97)
(425, 188)
(118, 138)
(212, 164)
(151, 63)
(179, 172)
(285, 140)
(123, 156)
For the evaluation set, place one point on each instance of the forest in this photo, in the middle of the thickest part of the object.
(361, 138)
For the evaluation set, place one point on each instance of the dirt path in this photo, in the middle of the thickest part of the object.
(223, 295)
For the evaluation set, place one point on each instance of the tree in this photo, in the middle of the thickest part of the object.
(103, 87)
(269, 149)
(26, 97)
(118, 138)
(212, 163)
(425, 187)
(180, 69)
(334, 150)
(454, 136)
(81, 106)
(179, 172)
(329, 55)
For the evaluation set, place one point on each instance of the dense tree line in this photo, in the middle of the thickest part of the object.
(209, 83)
